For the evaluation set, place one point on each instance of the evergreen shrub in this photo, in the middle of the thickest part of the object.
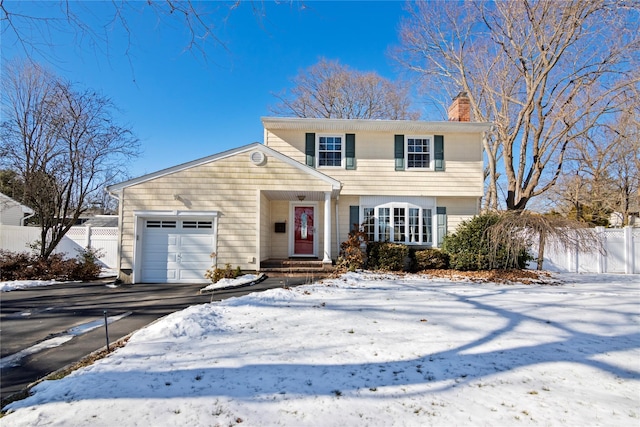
(387, 256)
(469, 248)
(430, 259)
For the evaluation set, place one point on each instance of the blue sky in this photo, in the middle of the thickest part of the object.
(182, 106)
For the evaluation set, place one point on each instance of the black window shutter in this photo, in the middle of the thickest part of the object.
(350, 151)
(399, 152)
(438, 152)
(310, 149)
(441, 214)
(354, 218)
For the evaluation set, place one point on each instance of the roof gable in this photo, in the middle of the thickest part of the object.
(256, 146)
(7, 202)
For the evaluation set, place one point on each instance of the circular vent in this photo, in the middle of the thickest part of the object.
(257, 157)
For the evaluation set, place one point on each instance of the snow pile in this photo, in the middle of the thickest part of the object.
(371, 350)
(243, 280)
(14, 285)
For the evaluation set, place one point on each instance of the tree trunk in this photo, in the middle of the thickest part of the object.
(541, 242)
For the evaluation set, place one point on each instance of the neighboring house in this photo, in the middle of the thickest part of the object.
(99, 221)
(299, 194)
(616, 219)
(13, 212)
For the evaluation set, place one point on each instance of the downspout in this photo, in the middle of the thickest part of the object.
(119, 245)
(113, 196)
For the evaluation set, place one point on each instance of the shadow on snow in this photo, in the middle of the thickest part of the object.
(436, 371)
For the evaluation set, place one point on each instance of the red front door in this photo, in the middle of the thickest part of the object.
(303, 231)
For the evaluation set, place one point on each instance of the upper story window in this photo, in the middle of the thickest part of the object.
(418, 152)
(330, 150)
(424, 152)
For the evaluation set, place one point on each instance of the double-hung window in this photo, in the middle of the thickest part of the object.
(418, 152)
(330, 150)
(384, 225)
(369, 223)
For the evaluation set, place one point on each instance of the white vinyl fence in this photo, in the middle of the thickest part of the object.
(621, 248)
(621, 254)
(105, 239)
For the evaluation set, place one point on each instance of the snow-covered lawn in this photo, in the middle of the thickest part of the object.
(373, 350)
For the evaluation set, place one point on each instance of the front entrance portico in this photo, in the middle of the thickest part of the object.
(296, 225)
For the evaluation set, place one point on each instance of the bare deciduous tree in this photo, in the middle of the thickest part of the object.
(604, 168)
(516, 231)
(64, 143)
(545, 72)
(95, 24)
(331, 90)
(625, 170)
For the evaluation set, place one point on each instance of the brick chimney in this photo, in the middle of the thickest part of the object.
(460, 109)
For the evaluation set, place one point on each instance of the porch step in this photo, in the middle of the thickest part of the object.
(295, 266)
(291, 262)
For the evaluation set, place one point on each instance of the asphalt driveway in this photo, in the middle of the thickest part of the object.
(71, 316)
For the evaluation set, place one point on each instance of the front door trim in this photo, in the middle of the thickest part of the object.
(292, 221)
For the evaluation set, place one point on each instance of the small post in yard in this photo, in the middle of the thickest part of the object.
(106, 329)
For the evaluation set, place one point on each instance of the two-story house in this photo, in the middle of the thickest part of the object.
(299, 194)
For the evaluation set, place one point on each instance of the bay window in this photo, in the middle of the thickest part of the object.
(398, 222)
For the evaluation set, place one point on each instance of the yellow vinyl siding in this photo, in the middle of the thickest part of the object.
(229, 186)
(288, 142)
(458, 210)
(375, 172)
(279, 241)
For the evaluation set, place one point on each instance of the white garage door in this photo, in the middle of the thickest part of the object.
(176, 251)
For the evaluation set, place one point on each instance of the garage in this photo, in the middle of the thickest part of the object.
(175, 250)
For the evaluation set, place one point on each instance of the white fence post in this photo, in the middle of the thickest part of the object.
(635, 249)
(87, 237)
(573, 259)
(628, 250)
(601, 236)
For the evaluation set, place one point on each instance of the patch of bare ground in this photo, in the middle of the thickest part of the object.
(527, 277)
(88, 360)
